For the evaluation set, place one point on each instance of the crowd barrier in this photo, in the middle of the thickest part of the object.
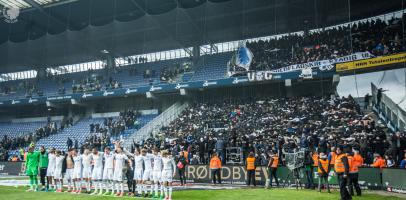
(369, 178)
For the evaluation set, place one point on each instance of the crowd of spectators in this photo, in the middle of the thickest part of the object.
(15, 143)
(376, 36)
(261, 126)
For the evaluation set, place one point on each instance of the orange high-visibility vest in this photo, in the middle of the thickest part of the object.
(315, 158)
(352, 164)
(215, 163)
(333, 158)
(275, 162)
(324, 164)
(250, 163)
(339, 165)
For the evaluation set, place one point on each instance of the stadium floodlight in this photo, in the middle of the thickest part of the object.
(104, 51)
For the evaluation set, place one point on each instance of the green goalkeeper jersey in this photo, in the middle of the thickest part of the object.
(32, 160)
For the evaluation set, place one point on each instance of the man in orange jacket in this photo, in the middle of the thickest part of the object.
(379, 162)
(215, 167)
(355, 161)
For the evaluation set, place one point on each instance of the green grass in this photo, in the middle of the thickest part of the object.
(12, 193)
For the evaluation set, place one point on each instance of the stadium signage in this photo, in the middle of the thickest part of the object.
(259, 76)
(12, 168)
(105, 93)
(179, 86)
(129, 91)
(240, 80)
(155, 88)
(325, 65)
(32, 100)
(87, 95)
(373, 62)
(224, 82)
(208, 83)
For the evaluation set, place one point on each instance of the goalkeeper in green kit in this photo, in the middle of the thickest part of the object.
(31, 165)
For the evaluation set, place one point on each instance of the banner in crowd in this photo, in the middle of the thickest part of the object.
(368, 177)
(325, 64)
(373, 62)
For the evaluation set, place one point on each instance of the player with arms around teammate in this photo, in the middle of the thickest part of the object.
(157, 174)
(146, 177)
(57, 172)
(50, 170)
(31, 165)
(108, 171)
(168, 172)
(77, 171)
(118, 177)
(97, 173)
(87, 168)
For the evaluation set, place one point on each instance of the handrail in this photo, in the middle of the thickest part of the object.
(152, 127)
(389, 111)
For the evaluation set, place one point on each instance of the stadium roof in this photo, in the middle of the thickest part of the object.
(52, 33)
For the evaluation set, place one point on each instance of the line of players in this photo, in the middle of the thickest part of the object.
(152, 172)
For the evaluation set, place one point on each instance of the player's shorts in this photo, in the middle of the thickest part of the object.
(31, 171)
(118, 175)
(50, 170)
(167, 176)
(157, 176)
(147, 175)
(68, 174)
(87, 172)
(97, 173)
(58, 174)
(138, 174)
(77, 173)
(108, 174)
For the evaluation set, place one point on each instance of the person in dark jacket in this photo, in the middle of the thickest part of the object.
(181, 165)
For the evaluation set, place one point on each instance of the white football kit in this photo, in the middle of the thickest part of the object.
(87, 165)
(138, 167)
(77, 169)
(118, 168)
(58, 167)
(97, 173)
(147, 175)
(168, 169)
(108, 166)
(51, 164)
(157, 169)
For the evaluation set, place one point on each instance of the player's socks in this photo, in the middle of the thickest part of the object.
(166, 192)
(156, 190)
(170, 192)
(122, 187)
(162, 191)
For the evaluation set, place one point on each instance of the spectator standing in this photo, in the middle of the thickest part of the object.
(181, 167)
(69, 143)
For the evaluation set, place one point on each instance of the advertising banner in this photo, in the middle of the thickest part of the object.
(373, 62)
(12, 168)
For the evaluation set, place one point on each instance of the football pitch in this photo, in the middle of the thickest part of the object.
(13, 193)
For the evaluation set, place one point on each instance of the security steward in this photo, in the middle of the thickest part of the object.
(251, 169)
(342, 169)
(273, 167)
(323, 171)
